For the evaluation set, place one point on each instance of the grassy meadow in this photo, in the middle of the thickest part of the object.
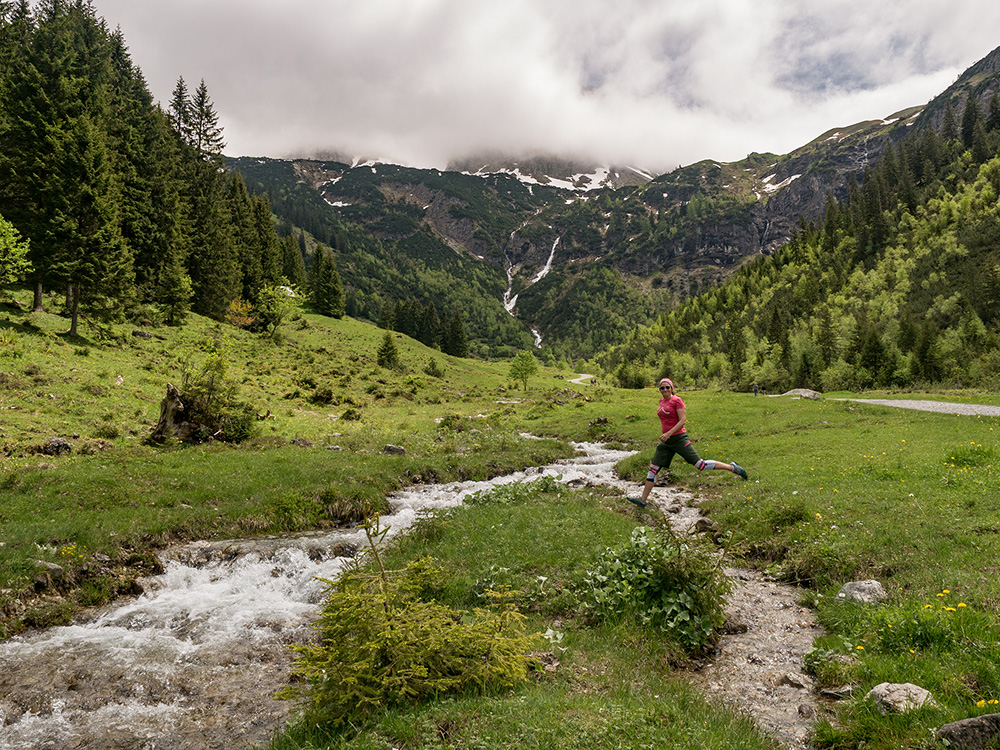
(838, 491)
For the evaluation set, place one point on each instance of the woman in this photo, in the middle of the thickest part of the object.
(673, 416)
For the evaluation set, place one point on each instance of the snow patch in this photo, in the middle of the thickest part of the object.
(780, 185)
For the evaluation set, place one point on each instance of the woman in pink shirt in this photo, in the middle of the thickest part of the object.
(673, 416)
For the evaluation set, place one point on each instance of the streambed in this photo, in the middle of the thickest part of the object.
(192, 663)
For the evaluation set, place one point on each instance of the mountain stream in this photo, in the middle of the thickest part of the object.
(192, 663)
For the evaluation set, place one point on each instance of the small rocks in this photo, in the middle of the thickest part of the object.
(394, 450)
(863, 592)
(301, 442)
(56, 447)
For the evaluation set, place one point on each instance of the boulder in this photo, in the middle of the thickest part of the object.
(864, 592)
(971, 733)
(896, 698)
(394, 450)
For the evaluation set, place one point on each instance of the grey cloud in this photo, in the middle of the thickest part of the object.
(652, 83)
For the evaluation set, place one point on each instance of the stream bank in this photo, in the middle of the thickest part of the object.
(192, 663)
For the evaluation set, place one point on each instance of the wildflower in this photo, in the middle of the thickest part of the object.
(949, 609)
(961, 605)
(939, 595)
(927, 606)
(980, 704)
(912, 651)
(819, 515)
(861, 648)
(946, 591)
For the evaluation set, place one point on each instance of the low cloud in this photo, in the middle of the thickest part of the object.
(653, 84)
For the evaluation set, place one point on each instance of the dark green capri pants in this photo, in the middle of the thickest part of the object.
(677, 444)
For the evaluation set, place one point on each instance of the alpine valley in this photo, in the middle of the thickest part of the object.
(571, 256)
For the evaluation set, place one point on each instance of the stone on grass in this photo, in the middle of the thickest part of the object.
(899, 698)
(864, 592)
(394, 450)
(971, 733)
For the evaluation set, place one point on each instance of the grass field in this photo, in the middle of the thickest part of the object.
(838, 491)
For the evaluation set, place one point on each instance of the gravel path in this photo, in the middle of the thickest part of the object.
(978, 410)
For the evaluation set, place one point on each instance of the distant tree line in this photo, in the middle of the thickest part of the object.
(426, 325)
(895, 286)
(127, 208)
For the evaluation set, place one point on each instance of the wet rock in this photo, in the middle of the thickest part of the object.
(394, 450)
(735, 622)
(797, 681)
(705, 526)
(344, 549)
(971, 733)
(56, 447)
(864, 592)
(899, 698)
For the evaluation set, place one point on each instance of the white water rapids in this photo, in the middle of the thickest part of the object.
(193, 662)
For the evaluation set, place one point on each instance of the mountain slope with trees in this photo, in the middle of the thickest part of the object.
(895, 286)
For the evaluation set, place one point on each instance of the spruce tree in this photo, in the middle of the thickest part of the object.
(327, 293)
(206, 134)
(293, 266)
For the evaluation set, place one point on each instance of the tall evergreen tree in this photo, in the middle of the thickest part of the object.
(327, 293)
(293, 266)
(206, 134)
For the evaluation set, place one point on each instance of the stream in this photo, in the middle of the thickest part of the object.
(192, 663)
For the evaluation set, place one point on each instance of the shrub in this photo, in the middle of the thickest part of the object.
(662, 582)
(211, 400)
(382, 643)
(433, 369)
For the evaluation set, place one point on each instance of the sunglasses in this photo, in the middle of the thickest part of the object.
(665, 388)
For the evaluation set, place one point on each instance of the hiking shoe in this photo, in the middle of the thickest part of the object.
(739, 471)
(636, 501)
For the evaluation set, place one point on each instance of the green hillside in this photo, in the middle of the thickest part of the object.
(892, 288)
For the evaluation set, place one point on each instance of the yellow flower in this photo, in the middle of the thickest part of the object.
(927, 606)
(939, 594)
(949, 609)
(945, 591)
(961, 604)
(861, 648)
(912, 651)
(980, 703)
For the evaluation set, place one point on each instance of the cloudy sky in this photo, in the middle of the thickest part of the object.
(651, 83)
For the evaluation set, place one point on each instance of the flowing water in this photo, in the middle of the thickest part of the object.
(193, 662)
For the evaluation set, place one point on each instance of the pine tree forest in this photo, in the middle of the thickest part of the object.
(126, 209)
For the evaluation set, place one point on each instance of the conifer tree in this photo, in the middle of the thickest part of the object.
(327, 293)
(206, 134)
(293, 266)
(458, 345)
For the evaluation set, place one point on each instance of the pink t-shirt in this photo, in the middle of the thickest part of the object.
(668, 412)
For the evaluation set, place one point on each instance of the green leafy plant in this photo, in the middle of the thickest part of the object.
(383, 643)
(661, 582)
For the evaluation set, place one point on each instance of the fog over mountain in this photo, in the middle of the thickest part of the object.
(651, 84)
